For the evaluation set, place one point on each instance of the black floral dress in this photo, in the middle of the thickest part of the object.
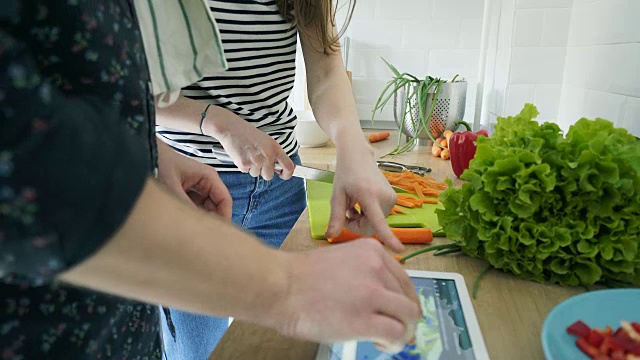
(76, 146)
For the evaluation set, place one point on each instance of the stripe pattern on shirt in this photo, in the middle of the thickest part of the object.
(260, 49)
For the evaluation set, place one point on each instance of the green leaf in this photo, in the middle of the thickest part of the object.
(548, 207)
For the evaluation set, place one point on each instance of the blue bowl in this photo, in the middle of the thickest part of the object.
(596, 309)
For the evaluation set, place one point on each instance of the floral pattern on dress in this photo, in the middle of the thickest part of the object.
(75, 48)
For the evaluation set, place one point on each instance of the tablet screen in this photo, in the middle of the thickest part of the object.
(441, 335)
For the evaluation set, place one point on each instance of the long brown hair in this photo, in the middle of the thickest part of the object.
(316, 18)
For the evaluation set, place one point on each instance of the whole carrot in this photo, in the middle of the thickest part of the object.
(405, 235)
(379, 136)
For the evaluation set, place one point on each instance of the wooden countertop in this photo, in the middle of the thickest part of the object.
(510, 311)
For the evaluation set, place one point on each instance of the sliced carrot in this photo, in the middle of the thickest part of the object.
(398, 210)
(379, 136)
(405, 235)
(399, 257)
(405, 203)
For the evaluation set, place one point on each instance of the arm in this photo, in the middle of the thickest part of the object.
(101, 224)
(252, 150)
(358, 179)
(165, 241)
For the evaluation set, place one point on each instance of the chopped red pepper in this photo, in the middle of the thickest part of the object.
(463, 148)
(586, 348)
(605, 347)
(602, 357)
(636, 326)
(595, 338)
(579, 329)
(618, 355)
(617, 343)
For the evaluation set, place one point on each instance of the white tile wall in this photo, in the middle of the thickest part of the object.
(547, 100)
(403, 9)
(612, 68)
(572, 58)
(555, 31)
(530, 58)
(517, 96)
(528, 29)
(631, 120)
(470, 32)
(537, 65)
(435, 37)
(533, 4)
(375, 34)
(605, 22)
(452, 9)
(601, 77)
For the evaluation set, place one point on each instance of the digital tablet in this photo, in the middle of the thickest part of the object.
(448, 330)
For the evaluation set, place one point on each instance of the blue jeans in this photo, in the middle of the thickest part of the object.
(268, 209)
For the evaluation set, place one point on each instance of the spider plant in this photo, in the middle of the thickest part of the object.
(421, 92)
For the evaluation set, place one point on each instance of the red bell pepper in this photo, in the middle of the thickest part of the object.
(463, 148)
(579, 329)
(583, 345)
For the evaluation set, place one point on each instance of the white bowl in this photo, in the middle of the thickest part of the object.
(308, 132)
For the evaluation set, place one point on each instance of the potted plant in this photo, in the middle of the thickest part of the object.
(423, 108)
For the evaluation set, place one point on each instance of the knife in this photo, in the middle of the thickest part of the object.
(300, 171)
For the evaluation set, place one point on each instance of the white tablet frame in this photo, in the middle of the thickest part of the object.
(479, 347)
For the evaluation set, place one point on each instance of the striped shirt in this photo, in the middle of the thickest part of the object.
(260, 49)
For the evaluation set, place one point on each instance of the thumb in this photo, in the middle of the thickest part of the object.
(338, 214)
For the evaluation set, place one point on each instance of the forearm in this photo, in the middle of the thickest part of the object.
(186, 115)
(169, 253)
(333, 106)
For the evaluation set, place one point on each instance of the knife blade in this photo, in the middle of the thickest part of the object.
(300, 171)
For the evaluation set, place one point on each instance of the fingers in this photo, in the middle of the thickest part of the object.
(390, 333)
(401, 278)
(266, 170)
(338, 214)
(378, 221)
(286, 164)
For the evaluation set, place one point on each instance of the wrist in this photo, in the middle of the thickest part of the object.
(353, 145)
(215, 123)
(274, 305)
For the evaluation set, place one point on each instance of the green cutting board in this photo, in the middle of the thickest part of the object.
(318, 203)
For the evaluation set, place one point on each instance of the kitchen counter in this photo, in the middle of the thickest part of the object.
(510, 311)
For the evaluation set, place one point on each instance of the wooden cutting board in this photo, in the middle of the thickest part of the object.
(318, 203)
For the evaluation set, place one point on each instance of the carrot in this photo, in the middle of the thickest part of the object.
(397, 210)
(413, 182)
(405, 235)
(405, 203)
(379, 136)
(436, 150)
(445, 154)
(399, 257)
(447, 135)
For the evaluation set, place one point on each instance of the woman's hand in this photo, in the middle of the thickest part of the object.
(193, 181)
(252, 150)
(358, 180)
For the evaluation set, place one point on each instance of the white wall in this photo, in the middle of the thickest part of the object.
(602, 67)
(436, 37)
(530, 61)
(571, 58)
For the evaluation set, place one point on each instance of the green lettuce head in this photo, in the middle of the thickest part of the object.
(551, 208)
